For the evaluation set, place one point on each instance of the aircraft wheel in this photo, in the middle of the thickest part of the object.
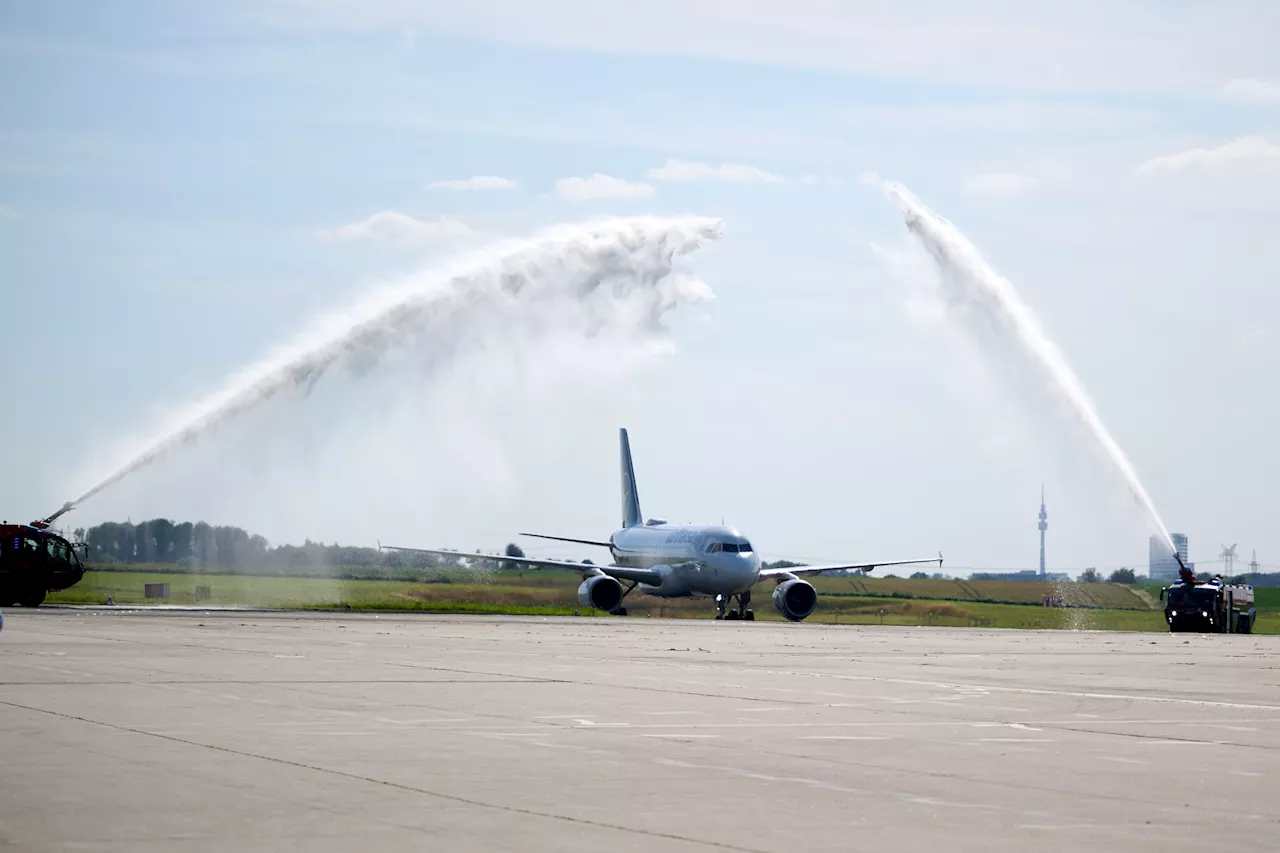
(32, 599)
(621, 611)
(750, 616)
(732, 615)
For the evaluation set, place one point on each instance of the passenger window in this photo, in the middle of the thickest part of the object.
(34, 546)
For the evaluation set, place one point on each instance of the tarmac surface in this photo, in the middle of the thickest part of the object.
(196, 731)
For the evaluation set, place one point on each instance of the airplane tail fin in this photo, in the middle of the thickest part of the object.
(631, 516)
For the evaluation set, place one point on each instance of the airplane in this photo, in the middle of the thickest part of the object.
(678, 561)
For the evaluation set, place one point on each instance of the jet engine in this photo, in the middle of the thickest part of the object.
(795, 599)
(601, 592)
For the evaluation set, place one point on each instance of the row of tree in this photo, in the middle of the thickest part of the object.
(162, 541)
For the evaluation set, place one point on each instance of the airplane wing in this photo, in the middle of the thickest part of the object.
(596, 542)
(644, 576)
(836, 567)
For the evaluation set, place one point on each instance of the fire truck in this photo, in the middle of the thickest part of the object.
(35, 561)
(1211, 607)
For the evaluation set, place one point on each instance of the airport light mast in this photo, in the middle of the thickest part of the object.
(1044, 525)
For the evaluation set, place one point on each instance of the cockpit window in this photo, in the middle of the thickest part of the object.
(713, 547)
(731, 547)
(745, 548)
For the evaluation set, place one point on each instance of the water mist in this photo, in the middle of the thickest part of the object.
(970, 282)
(608, 275)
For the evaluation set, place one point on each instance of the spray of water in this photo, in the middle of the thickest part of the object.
(971, 283)
(618, 272)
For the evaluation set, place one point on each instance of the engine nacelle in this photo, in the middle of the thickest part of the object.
(795, 599)
(601, 592)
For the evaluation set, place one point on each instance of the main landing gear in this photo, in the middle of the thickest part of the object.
(724, 611)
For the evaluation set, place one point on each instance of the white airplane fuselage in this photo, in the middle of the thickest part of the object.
(692, 559)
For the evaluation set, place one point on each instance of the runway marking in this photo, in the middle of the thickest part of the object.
(1015, 740)
(962, 686)
(1021, 726)
(1074, 694)
(820, 785)
(934, 801)
(1119, 760)
(760, 710)
(762, 777)
(422, 722)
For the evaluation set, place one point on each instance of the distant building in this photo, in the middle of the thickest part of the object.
(1163, 566)
(1023, 575)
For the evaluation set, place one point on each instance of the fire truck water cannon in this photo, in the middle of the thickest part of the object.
(44, 523)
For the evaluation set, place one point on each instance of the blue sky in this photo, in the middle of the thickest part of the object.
(168, 172)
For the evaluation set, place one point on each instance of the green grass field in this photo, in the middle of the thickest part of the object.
(866, 601)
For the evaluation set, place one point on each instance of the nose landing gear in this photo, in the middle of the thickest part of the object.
(724, 611)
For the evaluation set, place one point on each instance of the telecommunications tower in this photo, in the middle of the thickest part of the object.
(1044, 525)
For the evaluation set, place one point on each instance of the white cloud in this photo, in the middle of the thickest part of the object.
(1253, 89)
(477, 182)
(601, 186)
(1004, 184)
(1245, 150)
(685, 170)
(396, 228)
